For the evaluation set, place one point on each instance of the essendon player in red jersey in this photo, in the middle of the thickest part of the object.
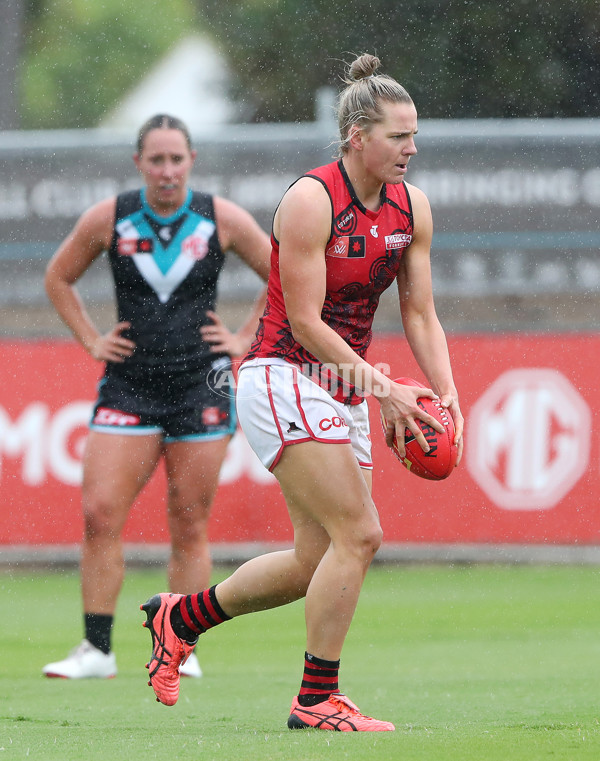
(341, 235)
(362, 259)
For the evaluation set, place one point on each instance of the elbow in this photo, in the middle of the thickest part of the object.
(52, 282)
(298, 334)
(302, 330)
(48, 283)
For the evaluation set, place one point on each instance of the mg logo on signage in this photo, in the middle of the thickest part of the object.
(528, 439)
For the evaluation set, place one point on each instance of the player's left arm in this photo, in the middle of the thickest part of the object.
(422, 327)
(239, 232)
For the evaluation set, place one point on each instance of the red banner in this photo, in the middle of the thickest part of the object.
(529, 475)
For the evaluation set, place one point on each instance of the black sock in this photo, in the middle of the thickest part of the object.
(179, 626)
(319, 681)
(98, 628)
(195, 614)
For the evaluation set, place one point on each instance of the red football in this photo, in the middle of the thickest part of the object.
(439, 462)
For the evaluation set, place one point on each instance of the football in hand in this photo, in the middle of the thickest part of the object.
(439, 462)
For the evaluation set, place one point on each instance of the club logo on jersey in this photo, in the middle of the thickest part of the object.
(195, 247)
(348, 247)
(345, 222)
(397, 240)
(131, 246)
(106, 416)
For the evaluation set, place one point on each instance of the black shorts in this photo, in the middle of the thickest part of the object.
(193, 405)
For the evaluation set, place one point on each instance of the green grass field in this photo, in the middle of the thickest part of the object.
(494, 663)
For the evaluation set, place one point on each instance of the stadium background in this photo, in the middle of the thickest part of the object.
(482, 660)
(517, 284)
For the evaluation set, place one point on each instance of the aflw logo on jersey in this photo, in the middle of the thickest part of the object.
(348, 247)
(397, 240)
(131, 246)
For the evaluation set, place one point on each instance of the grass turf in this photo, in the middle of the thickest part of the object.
(472, 663)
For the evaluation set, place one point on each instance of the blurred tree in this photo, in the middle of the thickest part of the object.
(81, 56)
(457, 58)
(11, 14)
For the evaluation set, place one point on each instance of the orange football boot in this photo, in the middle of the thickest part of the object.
(168, 650)
(337, 713)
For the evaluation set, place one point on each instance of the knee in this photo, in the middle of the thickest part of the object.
(363, 544)
(371, 541)
(188, 507)
(188, 536)
(188, 523)
(100, 519)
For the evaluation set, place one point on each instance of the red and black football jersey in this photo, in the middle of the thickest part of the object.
(362, 260)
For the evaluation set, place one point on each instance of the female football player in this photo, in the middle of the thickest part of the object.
(167, 364)
(341, 235)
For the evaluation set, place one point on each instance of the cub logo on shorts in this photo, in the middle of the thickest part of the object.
(213, 416)
(335, 422)
(106, 416)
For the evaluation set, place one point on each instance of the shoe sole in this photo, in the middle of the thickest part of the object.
(295, 722)
(151, 608)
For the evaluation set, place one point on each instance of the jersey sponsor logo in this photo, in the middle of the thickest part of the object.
(335, 422)
(195, 247)
(131, 246)
(106, 416)
(374, 232)
(397, 240)
(348, 247)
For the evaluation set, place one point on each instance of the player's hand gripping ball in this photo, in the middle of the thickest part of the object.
(439, 462)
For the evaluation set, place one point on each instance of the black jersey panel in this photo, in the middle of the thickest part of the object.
(165, 272)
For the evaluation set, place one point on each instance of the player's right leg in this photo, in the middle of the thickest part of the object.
(116, 467)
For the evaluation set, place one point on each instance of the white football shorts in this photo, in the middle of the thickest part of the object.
(278, 406)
